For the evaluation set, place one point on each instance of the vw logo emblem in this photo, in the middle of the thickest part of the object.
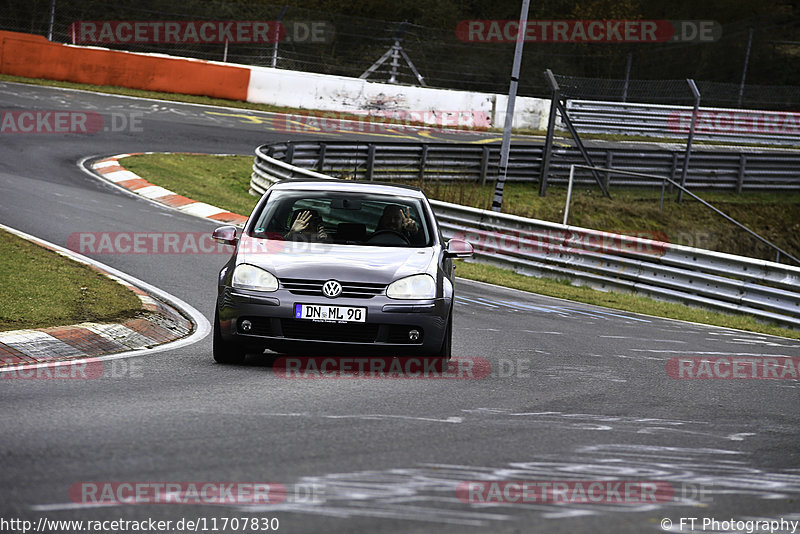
(331, 289)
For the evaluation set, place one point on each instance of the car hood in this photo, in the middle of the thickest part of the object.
(322, 261)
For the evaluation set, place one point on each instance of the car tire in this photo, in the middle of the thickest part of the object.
(446, 352)
(226, 352)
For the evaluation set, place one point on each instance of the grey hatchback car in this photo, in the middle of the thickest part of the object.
(337, 267)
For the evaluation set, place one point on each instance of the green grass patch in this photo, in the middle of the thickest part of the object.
(41, 288)
(618, 301)
(199, 177)
(221, 181)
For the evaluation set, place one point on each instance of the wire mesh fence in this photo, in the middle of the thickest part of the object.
(677, 92)
(331, 43)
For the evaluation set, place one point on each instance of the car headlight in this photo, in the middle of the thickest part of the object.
(251, 277)
(418, 286)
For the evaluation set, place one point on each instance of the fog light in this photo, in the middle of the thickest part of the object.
(246, 325)
(413, 335)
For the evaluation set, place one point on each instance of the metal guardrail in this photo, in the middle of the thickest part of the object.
(723, 282)
(720, 169)
(714, 124)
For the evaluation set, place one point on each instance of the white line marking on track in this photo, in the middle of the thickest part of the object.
(719, 353)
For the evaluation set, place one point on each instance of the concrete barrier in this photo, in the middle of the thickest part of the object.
(33, 56)
(306, 90)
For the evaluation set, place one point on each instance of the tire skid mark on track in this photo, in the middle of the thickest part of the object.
(698, 465)
(428, 492)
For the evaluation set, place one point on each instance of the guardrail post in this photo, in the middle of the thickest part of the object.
(609, 165)
(551, 126)
(569, 193)
(484, 164)
(740, 178)
(422, 163)
(588, 159)
(370, 162)
(290, 153)
(696, 94)
(321, 161)
(673, 173)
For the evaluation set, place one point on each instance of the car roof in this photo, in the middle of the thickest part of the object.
(319, 184)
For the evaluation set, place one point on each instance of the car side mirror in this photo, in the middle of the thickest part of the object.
(225, 235)
(458, 248)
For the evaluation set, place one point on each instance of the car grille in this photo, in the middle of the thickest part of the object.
(313, 331)
(356, 290)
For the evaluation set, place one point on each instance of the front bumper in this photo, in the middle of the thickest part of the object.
(386, 330)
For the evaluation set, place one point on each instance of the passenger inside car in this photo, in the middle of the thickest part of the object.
(307, 225)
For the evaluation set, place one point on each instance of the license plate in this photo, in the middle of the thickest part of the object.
(330, 314)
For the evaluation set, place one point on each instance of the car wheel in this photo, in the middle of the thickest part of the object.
(226, 351)
(445, 353)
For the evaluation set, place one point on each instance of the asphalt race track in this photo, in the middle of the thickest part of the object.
(575, 393)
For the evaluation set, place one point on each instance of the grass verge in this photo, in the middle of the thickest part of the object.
(41, 288)
(223, 181)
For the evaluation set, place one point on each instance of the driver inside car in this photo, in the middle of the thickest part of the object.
(395, 219)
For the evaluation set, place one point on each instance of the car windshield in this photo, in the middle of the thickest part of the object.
(344, 218)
